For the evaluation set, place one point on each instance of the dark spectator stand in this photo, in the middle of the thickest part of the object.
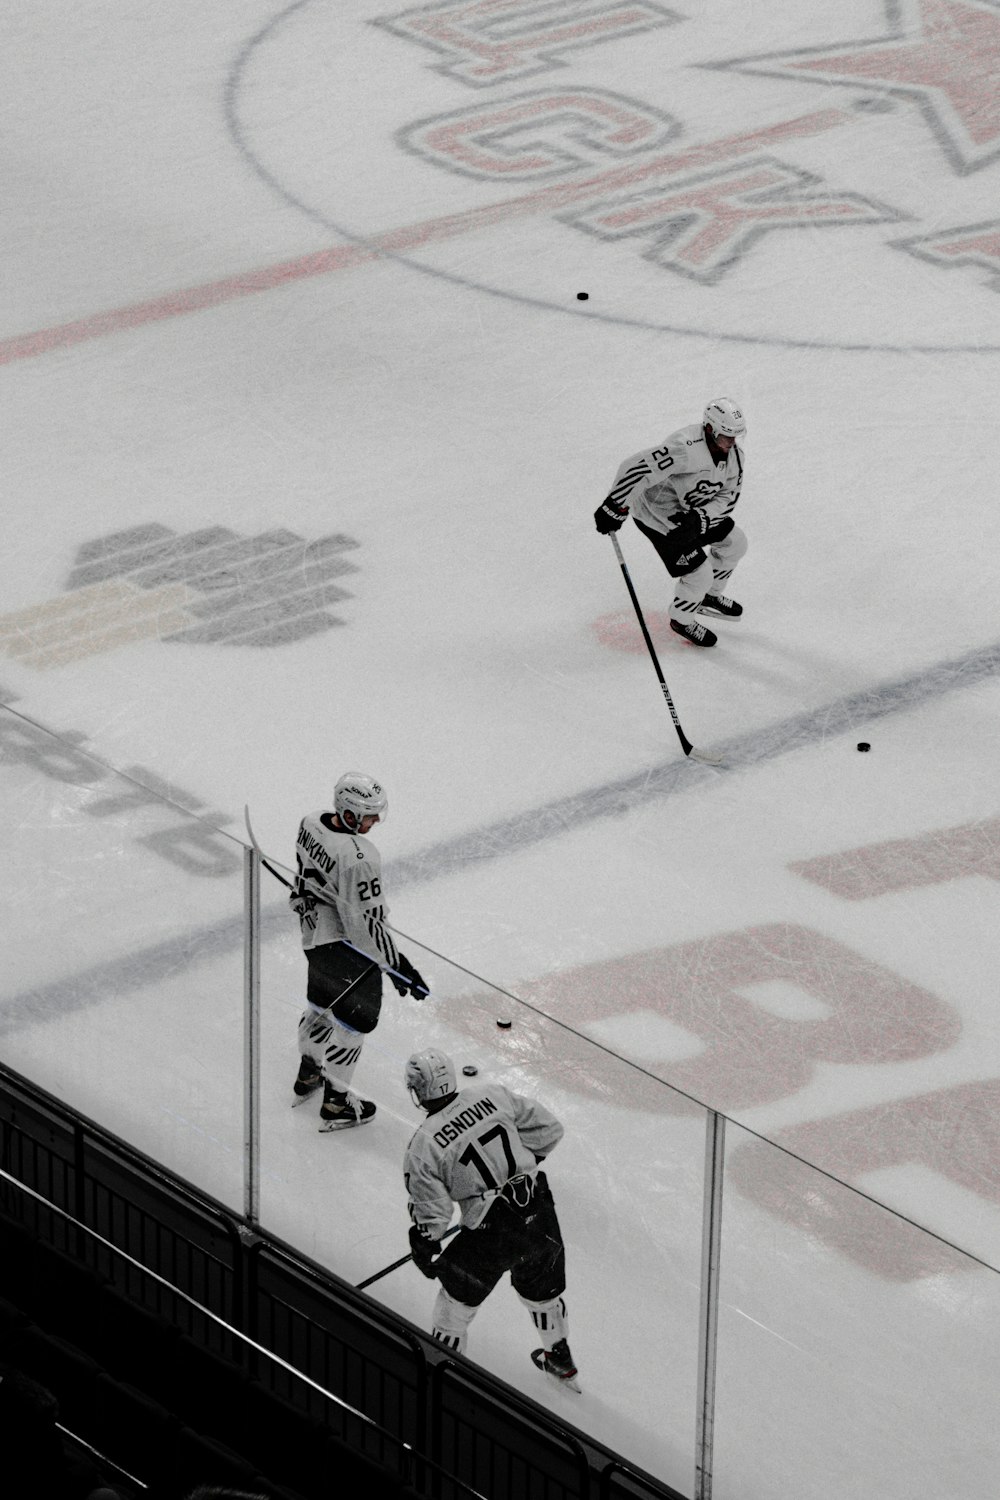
(165, 1398)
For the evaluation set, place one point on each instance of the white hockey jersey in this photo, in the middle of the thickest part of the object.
(340, 883)
(661, 485)
(466, 1152)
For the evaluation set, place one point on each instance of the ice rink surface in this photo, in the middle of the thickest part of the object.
(305, 419)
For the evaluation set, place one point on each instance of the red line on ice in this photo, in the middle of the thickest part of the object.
(398, 241)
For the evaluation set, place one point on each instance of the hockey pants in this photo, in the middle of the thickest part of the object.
(346, 983)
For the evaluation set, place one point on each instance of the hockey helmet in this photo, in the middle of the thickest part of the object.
(357, 796)
(725, 418)
(430, 1075)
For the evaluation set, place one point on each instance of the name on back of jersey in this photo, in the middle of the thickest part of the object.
(315, 850)
(464, 1120)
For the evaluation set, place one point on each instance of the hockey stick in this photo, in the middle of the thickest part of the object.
(686, 745)
(320, 896)
(259, 851)
(397, 1263)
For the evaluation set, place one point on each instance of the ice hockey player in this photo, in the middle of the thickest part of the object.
(681, 496)
(340, 906)
(480, 1148)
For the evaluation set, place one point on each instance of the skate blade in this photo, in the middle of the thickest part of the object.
(326, 1126)
(568, 1382)
(298, 1099)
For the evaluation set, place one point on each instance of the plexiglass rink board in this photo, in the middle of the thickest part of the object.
(627, 1181)
(122, 984)
(857, 1353)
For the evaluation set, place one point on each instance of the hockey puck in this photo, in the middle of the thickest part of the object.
(503, 1023)
(864, 745)
(470, 1070)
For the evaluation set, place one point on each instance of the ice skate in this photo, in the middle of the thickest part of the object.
(308, 1081)
(557, 1362)
(343, 1111)
(698, 635)
(721, 607)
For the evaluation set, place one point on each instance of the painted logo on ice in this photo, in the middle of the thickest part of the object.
(209, 587)
(531, 148)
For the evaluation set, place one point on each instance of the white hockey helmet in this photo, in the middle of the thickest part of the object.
(430, 1075)
(357, 796)
(725, 418)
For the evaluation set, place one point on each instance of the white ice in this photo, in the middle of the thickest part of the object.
(173, 358)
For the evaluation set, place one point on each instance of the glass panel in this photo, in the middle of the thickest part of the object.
(626, 1178)
(122, 986)
(856, 1352)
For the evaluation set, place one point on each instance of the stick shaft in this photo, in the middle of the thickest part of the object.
(397, 1263)
(686, 745)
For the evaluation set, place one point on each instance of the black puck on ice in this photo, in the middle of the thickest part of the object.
(503, 1023)
(864, 745)
(470, 1070)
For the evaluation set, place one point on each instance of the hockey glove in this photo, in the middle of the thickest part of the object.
(609, 516)
(695, 528)
(682, 549)
(408, 981)
(425, 1251)
(717, 531)
(302, 903)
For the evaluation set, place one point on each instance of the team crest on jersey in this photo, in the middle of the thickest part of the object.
(206, 587)
(702, 492)
(682, 187)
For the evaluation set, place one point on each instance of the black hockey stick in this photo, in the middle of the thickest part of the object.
(397, 1263)
(686, 745)
(260, 853)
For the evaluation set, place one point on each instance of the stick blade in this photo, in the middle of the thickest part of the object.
(706, 757)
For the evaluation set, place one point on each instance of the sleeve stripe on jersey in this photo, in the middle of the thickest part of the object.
(381, 937)
(629, 481)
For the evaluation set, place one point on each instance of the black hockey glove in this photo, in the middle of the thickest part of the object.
(302, 903)
(408, 981)
(425, 1251)
(696, 529)
(609, 516)
(716, 531)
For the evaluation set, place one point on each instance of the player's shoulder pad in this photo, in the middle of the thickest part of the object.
(687, 448)
(636, 464)
(363, 849)
(315, 830)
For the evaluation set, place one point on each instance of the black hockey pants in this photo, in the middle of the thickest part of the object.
(519, 1234)
(346, 983)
